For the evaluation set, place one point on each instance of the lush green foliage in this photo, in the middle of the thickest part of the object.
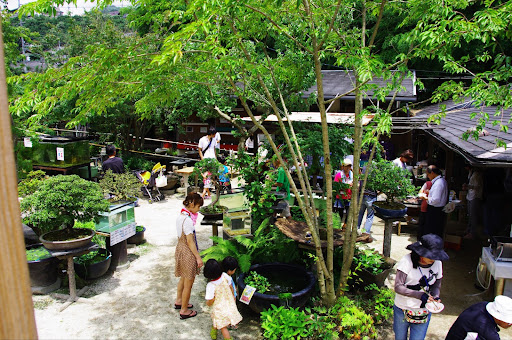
(393, 181)
(369, 259)
(344, 320)
(60, 200)
(118, 187)
(98, 239)
(31, 183)
(286, 323)
(267, 245)
(380, 304)
(257, 281)
(36, 254)
(91, 257)
(258, 185)
(136, 162)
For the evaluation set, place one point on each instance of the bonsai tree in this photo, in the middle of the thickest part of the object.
(31, 183)
(391, 180)
(120, 187)
(60, 200)
(212, 168)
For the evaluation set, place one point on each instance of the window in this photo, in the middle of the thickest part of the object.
(190, 129)
(204, 129)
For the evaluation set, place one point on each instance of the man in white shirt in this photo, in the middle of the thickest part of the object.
(217, 140)
(208, 145)
(405, 157)
(437, 198)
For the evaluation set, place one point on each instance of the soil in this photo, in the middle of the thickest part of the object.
(67, 234)
(138, 302)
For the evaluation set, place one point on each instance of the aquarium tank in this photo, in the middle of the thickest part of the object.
(60, 152)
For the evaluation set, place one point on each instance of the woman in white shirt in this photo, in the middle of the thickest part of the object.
(418, 281)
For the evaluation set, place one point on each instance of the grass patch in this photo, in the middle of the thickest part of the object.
(43, 303)
(143, 249)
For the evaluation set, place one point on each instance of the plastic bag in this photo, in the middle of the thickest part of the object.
(161, 181)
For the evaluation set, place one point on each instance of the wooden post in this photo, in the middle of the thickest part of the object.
(388, 231)
(17, 314)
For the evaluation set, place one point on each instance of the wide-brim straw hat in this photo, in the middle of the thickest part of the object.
(430, 246)
(501, 308)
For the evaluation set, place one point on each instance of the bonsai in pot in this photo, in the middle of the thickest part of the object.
(213, 169)
(120, 187)
(393, 181)
(60, 201)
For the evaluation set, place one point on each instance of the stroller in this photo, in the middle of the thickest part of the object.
(149, 182)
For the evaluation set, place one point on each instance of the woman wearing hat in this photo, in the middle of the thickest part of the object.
(342, 201)
(418, 281)
(481, 320)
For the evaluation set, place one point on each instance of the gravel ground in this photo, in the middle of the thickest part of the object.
(135, 303)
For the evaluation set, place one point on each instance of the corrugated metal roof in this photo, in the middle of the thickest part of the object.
(336, 82)
(314, 117)
(457, 121)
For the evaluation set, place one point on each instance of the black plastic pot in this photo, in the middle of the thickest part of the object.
(261, 302)
(390, 212)
(43, 273)
(138, 238)
(95, 270)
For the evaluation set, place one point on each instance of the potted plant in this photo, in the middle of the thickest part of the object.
(57, 204)
(120, 187)
(43, 269)
(93, 264)
(372, 267)
(212, 168)
(278, 284)
(393, 181)
(138, 238)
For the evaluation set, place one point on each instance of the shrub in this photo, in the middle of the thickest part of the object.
(31, 183)
(284, 323)
(120, 187)
(60, 200)
(386, 177)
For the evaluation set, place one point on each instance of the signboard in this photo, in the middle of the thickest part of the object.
(27, 142)
(60, 154)
(122, 234)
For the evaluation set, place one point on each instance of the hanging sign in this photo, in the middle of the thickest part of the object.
(60, 154)
(27, 142)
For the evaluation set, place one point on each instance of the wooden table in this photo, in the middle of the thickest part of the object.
(62, 170)
(185, 173)
(215, 225)
(68, 256)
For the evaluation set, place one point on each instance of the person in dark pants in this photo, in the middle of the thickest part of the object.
(481, 320)
(437, 198)
(113, 163)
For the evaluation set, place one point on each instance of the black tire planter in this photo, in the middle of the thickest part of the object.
(70, 244)
(138, 238)
(261, 302)
(43, 273)
(390, 212)
(95, 270)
